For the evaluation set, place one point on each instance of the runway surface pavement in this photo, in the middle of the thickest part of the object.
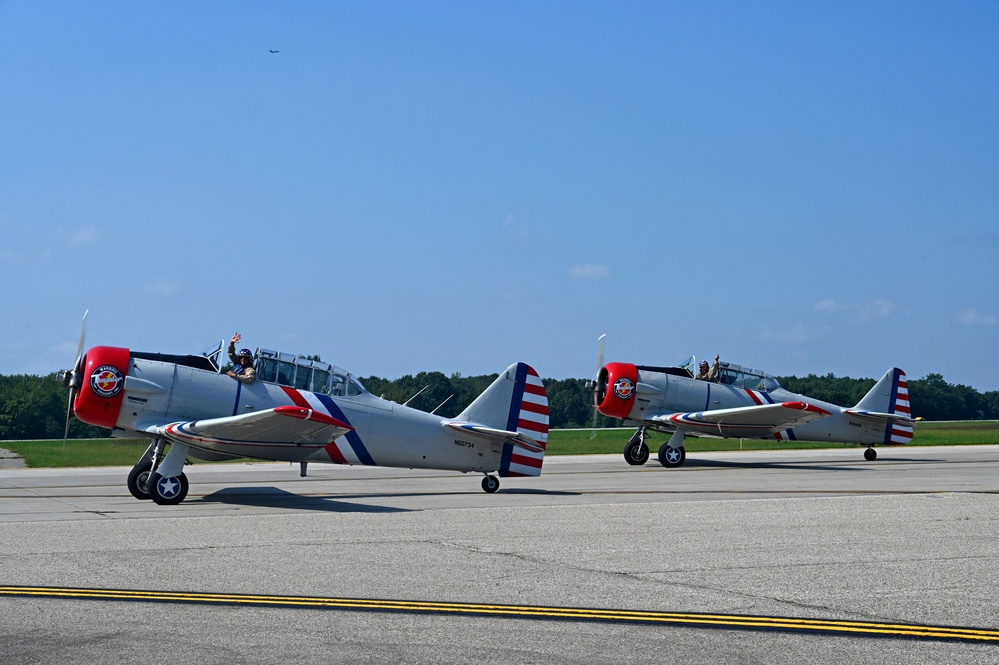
(796, 556)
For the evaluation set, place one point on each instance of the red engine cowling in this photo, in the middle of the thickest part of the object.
(102, 384)
(617, 384)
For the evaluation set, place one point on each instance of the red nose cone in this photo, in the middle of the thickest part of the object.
(102, 390)
(616, 387)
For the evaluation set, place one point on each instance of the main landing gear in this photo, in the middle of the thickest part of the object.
(490, 484)
(672, 457)
(160, 478)
(671, 453)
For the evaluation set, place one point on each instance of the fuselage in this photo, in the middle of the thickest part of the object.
(158, 389)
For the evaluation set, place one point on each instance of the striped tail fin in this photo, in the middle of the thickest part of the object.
(514, 410)
(529, 417)
(888, 402)
(900, 432)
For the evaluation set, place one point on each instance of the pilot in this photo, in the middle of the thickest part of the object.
(242, 370)
(708, 374)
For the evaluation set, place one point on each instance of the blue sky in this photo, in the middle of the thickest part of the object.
(799, 187)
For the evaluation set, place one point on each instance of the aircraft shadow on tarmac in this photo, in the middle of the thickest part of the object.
(524, 490)
(273, 497)
(858, 465)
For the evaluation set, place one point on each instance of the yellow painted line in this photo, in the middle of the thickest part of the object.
(863, 628)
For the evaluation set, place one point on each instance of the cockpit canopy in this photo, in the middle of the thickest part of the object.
(738, 376)
(305, 374)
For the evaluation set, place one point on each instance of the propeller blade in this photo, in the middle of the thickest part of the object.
(69, 414)
(600, 364)
(83, 340)
(600, 351)
(74, 378)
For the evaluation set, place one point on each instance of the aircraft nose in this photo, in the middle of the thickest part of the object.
(617, 384)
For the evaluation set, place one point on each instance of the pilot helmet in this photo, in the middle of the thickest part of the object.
(704, 365)
(245, 352)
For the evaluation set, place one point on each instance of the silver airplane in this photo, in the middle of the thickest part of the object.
(738, 402)
(297, 410)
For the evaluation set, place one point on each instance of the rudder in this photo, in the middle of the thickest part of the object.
(899, 433)
(529, 417)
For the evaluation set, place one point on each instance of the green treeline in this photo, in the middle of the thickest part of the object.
(34, 407)
(930, 398)
(570, 403)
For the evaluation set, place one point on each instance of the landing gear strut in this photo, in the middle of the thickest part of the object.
(138, 479)
(671, 453)
(159, 478)
(636, 452)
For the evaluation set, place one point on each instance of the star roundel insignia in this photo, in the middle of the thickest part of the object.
(107, 381)
(624, 388)
(168, 488)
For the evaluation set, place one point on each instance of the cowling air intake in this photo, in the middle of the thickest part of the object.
(616, 386)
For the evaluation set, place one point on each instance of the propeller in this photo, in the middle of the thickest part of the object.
(73, 378)
(600, 364)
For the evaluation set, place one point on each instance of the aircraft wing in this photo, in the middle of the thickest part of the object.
(750, 422)
(498, 435)
(283, 424)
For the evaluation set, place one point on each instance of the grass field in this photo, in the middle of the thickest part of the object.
(125, 452)
(578, 442)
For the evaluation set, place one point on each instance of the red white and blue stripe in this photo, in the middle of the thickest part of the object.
(529, 416)
(760, 397)
(346, 449)
(898, 434)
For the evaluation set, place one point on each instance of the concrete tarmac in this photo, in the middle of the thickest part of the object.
(767, 543)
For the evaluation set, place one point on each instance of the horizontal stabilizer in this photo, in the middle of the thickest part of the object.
(499, 435)
(882, 417)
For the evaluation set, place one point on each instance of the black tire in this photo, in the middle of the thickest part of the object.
(672, 457)
(636, 454)
(490, 484)
(164, 493)
(870, 454)
(138, 479)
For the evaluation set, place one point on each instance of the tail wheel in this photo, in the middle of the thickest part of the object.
(870, 454)
(490, 484)
(138, 479)
(636, 453)
(671, 457)
(167, 491)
